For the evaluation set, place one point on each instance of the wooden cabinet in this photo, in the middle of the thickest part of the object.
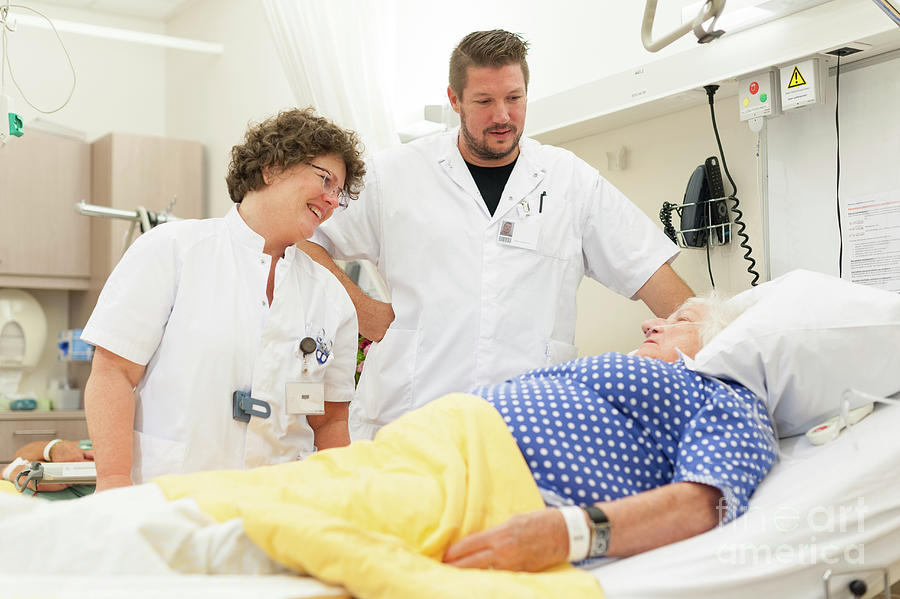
(128, 171)
(45, 243)
(20, 428)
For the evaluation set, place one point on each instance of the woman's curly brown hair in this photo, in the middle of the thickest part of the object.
(292, 137)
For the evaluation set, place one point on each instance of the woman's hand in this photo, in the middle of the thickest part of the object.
(526, 542)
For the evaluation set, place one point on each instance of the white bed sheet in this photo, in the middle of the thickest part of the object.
(810, 498)
(839, 501)
(36, 585)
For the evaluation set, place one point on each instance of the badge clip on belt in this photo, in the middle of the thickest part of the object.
(244, 406)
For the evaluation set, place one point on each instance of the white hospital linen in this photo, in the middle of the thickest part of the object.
(188, 299)
(132, 530)
(471, 309)
(833, 506)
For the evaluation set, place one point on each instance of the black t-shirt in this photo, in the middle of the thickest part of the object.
(490, 181)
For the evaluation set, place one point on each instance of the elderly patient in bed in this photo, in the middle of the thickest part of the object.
(662, 452)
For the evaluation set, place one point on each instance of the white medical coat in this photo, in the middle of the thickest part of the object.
(188, 300)
(470, 310)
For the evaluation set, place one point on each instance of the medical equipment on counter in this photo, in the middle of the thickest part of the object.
(76, 473)
(712, 9)
(23, 405)
(71, 348)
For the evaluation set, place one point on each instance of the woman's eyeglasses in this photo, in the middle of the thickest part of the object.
(331, 188)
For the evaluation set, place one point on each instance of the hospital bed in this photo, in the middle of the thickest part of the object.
(838, 503)
(825, 516)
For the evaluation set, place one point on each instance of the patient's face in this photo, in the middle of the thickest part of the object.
(679, 331)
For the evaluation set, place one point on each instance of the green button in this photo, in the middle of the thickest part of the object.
(763, 97)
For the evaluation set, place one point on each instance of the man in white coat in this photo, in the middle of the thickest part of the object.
(482, 237)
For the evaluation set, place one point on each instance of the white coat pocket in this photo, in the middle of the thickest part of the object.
(155, 456)
(557, 351)
(557, 237)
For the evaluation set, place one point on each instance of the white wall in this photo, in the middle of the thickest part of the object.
(662, 153)
(120, 86)
(572, 42)
(802, 185)
(211, 99)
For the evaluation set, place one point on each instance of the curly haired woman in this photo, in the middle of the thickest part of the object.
(218, 343)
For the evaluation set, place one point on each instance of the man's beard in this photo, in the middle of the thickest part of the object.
(480, 149)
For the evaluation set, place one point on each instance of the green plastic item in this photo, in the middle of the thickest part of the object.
(16, 126)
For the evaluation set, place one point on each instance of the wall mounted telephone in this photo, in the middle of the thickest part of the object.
(704, 206)
(704, 213)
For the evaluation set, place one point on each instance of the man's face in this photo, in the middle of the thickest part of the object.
(491, 113)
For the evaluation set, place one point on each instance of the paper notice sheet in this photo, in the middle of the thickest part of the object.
(872, 240)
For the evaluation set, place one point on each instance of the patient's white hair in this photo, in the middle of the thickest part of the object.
(719, 313)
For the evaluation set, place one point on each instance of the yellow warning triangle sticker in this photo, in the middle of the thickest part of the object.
(796, 79)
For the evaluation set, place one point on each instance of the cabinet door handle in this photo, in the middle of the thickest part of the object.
(36, 432)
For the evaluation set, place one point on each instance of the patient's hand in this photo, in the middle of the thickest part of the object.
(62, 451)
(527, 542)
(69, 451)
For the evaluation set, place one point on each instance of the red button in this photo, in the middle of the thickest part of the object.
(754, 87)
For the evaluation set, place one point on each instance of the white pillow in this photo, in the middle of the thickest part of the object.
(806, 339)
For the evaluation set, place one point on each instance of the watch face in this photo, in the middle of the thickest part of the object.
(599, 535)
(599, 532)
(600, 541)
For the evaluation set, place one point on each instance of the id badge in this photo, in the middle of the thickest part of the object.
(305, 398)
(519, 233)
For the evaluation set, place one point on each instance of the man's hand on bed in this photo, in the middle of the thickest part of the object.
(526, 542)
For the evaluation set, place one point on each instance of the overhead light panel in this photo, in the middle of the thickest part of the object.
(124, 35)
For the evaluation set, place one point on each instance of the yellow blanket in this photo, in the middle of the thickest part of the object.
(376, 517)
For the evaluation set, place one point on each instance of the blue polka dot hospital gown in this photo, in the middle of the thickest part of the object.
(608, 426)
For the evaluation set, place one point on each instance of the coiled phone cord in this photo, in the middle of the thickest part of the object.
(738, 218)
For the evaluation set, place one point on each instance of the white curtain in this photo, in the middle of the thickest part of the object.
(337, 56)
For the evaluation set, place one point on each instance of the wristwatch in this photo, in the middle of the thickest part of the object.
(599, 532)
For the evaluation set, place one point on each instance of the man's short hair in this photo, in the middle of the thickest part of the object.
(290, 138)
(495, 48)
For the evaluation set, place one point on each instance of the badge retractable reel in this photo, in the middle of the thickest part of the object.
(244, 406)
(308, 345)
